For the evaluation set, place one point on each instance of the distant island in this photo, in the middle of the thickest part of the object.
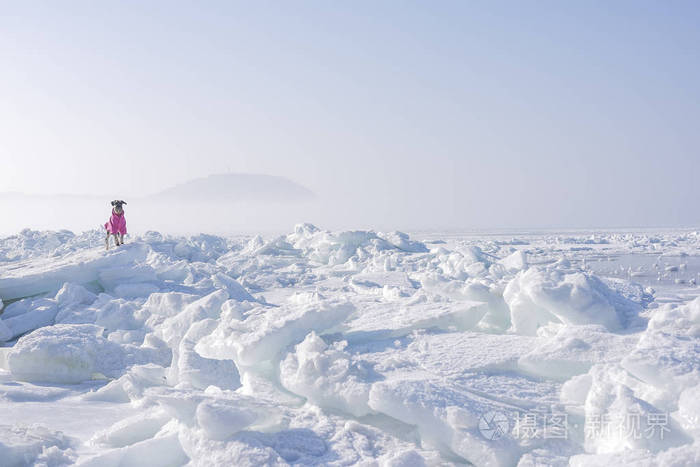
(219, 188)
(236, 187)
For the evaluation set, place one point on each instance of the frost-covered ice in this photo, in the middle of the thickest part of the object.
(341, 348)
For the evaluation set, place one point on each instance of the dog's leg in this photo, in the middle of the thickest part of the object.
(107, 241)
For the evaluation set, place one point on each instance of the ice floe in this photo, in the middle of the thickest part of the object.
(357, 347)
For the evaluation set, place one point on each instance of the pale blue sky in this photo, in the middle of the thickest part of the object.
(444, 114)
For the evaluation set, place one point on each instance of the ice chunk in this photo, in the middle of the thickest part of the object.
(198, 371)
(327, 376)
(164, 450)
(464, 262)
(113, 314)
(403, 242)
(574, 392)
(18, 307)
(399, 320)
(234, 289)
(174, 328)
(617, 420)
(631, 291)
(74, 294)
(666, 361)
(497, 318)
(574, 349)
(139, 427)
(689, 410)
(112, 277)
(374, 281)
(30, 445)
(304, 436)
(497, 314)
(202, 247)
(32, 243)
(44, 275)
(681, 320)
(161, 306)
(516, 261)
(221, 421)
(537, 297)
(266, 331)
(130, 386)
(337, 248)
(65, 353)
(667, 355)
(5, 332)
(41, 313)
(445, 417)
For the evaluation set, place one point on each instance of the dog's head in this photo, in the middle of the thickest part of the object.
(117, 205)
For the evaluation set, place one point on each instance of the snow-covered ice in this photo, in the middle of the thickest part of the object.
(358, 347)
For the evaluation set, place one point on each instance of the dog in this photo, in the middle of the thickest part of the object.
(116, 225)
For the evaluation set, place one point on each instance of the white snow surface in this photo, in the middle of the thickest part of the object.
(351, 348)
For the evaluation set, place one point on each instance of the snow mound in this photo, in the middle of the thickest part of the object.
(445, 417)
(32, 243)
(537, 297)
(574, 350)
(34, 445)
(451, 354)
(108, 269)
(337, 248)
(65, 353)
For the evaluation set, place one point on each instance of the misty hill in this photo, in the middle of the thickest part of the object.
(214, 188)
(236, 187)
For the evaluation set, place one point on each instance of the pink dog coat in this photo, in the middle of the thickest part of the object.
(116, 223)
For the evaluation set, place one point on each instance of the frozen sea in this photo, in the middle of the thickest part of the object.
(351, 348)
